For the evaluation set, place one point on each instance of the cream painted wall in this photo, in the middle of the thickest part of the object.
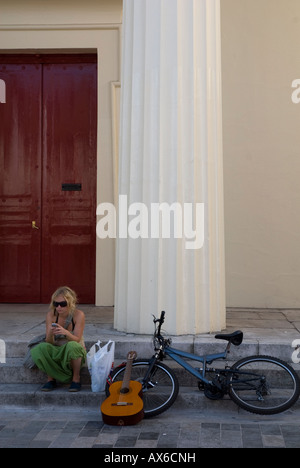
(260, 52)
(260, 59)
(92, 25)
(61, 12)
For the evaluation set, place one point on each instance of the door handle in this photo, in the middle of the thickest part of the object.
(33, 225)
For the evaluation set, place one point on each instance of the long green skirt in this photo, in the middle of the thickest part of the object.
(55, 361)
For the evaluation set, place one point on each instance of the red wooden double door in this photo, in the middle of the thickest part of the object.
(48, 128)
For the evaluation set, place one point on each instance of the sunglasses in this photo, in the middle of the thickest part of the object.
(61, 304)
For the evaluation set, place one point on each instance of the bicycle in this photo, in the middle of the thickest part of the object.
(259, 384)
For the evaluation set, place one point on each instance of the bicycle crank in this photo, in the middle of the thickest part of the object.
(212, 392)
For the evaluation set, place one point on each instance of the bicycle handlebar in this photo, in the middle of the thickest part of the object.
(160, 321)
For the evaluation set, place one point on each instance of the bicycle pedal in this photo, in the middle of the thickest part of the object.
(201, 386)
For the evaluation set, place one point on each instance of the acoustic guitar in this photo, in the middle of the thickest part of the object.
(124, 406)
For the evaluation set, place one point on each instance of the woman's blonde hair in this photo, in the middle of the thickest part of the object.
(69, 295)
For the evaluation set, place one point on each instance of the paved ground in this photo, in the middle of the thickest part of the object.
(173, 430)
(23, 320)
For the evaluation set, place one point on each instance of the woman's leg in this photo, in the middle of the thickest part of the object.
(76, 366)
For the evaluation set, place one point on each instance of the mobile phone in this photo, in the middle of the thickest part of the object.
(54, 325)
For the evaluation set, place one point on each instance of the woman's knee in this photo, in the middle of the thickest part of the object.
(75, 350)
(73, 346)
(43, 347)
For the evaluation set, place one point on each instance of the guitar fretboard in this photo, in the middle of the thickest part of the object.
(127, 375)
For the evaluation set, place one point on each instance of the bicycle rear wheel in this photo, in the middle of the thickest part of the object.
(159, 392)
(263, 385)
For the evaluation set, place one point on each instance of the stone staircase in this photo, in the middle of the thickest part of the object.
(20, 387)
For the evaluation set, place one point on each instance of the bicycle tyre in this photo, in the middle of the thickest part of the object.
(159, 393)
(279, 387)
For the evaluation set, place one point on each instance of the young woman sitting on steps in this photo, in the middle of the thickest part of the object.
(63, 354)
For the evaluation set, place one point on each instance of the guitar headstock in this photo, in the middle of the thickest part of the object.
(131, 356)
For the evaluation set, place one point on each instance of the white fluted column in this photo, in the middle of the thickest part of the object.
(171, 151)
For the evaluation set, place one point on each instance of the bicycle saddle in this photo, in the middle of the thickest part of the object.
(235, 338)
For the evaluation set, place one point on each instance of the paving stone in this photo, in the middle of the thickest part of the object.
(174, 429)
(273, 441)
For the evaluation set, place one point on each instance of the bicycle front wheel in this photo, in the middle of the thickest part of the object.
(159, 391)
(263, 385)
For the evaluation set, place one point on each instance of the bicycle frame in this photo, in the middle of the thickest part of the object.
(179, 356)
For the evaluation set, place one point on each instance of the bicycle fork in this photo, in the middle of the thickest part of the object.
(146, 382)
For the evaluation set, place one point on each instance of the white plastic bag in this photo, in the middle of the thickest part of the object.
(100, 361)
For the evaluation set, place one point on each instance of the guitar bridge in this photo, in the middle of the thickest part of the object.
(122, 403)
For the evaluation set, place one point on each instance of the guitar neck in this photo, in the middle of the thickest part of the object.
(127, 376)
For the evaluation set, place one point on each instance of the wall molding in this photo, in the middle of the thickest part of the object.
(58, 27)
(115, 121)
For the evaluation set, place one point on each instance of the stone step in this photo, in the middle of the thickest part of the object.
(30, 396)
(18, 347)
(200, 344)
(13, 372)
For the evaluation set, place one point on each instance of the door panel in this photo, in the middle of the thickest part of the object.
(20, 183)
(69, 179)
